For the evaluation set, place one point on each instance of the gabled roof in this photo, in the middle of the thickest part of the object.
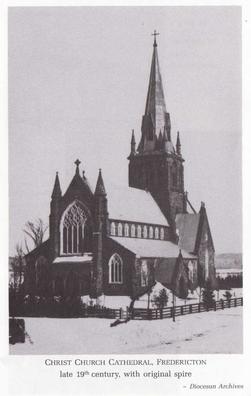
(152, 248)
(187, 225)
(79, 183)
(132, 204)
(44, 247)
(190, 227)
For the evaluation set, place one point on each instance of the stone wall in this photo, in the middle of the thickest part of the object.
(125, 289)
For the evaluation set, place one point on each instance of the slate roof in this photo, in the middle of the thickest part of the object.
(132, 204)
(187, 225)
(152, 248)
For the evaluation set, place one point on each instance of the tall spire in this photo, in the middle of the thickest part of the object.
(100, 187)
(56, 193)
(156, 117)
(155, 102)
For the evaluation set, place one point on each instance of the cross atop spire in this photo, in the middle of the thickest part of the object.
(155, 34)
(77, 163)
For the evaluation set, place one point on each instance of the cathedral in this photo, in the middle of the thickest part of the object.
(120, 241)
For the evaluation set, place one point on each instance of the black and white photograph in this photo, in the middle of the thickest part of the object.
(125, 180)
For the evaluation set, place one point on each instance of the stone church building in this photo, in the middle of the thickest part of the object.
(121, 241)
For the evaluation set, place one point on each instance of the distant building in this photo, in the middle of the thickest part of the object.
(119, 241)
(224, 273)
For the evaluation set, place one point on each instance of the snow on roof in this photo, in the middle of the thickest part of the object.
(132, 204)
(187, 225)
(152, 248)
(87, 257)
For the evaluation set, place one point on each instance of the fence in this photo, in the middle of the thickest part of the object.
(170, 312)
(62, 310)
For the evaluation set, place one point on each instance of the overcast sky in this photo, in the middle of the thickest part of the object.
(77, 86)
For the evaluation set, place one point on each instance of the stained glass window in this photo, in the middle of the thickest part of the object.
(115, 269)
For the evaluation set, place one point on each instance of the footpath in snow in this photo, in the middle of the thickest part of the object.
(207, 332)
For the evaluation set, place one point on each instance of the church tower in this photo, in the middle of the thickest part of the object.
(156, 165)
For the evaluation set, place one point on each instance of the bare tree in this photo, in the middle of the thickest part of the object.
(17, 265)
(35, 231)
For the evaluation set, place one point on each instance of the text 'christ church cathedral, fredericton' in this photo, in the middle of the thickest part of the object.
(121, 241)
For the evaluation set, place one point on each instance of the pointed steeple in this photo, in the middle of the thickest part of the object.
(100, 187)
(155, 102)
(178, 145)
(56, 193)
(133, 144)
(156, 117)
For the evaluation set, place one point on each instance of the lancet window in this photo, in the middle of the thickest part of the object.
(126, 230)
(115, 269)
(156, 233)
(162, 234)
(73, 223)
(120, 229)
(138, 231)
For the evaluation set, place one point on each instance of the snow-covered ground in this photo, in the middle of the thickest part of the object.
(208, 332)
(124, 301)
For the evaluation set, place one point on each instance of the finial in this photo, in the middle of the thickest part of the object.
(133, 143)
(155, 34)
(100, 188)
(202, 204)
(178, 145)
(77, 163)
(56, 193)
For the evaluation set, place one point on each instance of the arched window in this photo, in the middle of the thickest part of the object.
(133, 230)
(126, 230)
(115, 269)
(138, 231)
(162, 234)
(206, 264)
(151, 232)
(120, 229)
(156, 233)
(72, 228)
(145, 231)
(113, 229)
(144, 273)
